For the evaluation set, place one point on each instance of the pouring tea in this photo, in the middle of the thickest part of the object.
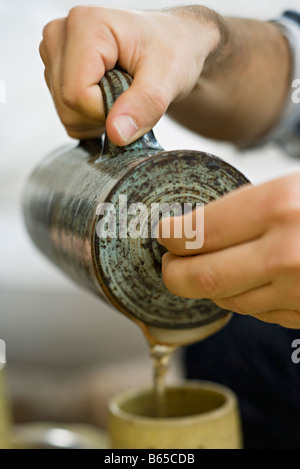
(61, 211)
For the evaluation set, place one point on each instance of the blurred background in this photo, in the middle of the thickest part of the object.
(67, 352)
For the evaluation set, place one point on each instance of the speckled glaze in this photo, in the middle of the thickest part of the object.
(60, 210)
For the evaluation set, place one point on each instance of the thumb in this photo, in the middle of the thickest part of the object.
(141, 106)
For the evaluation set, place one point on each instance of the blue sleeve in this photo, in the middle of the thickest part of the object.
(287, 131)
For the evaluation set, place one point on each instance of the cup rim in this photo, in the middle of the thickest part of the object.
(229, 404)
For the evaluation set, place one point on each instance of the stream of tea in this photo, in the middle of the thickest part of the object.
(161, 356)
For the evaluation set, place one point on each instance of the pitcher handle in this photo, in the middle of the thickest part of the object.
(112, 85)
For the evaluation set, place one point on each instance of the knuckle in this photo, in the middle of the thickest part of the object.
(284, 258)
(269, 317)
(71, 133)
(285, 318)
(232, 304)
(68, 97)
(49, 31)
(73, 130)
(72, 97)
(206, 283)
(156, 100)
(285, 205)
(78, 12)
(42, 52)
(82, 133)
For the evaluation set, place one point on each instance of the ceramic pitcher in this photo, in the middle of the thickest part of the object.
(61, 209)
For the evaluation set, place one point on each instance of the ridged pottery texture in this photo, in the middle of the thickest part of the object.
(61, 209)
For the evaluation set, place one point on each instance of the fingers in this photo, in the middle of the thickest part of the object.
(72, 72)
(161, 73)
(79, 49)
(218, 275)
(272, 301)
(250, 263)
(285, 318)
(237, 217)
(254, 302)
(240, 216)
(86, 57)
(50, 50)
(266, 303)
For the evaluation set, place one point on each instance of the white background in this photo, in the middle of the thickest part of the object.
(44, 318)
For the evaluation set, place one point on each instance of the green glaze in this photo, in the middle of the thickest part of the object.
(61, 209)
(112, 85)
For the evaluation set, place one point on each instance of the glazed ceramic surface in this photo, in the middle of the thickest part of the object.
(198, 416)
(61, 209)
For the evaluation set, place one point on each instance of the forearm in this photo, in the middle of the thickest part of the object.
(243, 87)
(225, 78)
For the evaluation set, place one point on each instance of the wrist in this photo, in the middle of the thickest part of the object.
(210, 31)
(224, 50)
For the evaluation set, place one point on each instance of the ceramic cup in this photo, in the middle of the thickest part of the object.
(198, 415)
(5, 427)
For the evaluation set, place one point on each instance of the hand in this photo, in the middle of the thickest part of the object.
(164, 52)
(250, 261)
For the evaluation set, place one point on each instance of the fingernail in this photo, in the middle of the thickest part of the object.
(126, 127)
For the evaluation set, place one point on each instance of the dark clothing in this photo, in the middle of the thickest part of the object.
(254, 359)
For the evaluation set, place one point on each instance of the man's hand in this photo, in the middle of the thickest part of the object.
(164, 52)
(250, 261)
(225, 78)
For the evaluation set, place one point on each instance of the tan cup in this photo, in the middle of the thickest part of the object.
(199, 415)
(5, 424)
